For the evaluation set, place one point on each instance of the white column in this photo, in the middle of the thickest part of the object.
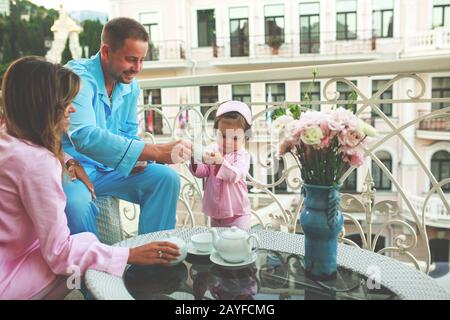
(181, 28)
(408, 163)
(224, 92)
(409, 17)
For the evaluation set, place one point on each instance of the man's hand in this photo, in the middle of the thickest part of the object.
(159, 252)
(140, 166)
(173, 152)
(76, 171)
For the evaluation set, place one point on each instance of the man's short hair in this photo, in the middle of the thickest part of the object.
(117, 30)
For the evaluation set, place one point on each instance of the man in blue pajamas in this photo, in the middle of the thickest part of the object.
(103, 137)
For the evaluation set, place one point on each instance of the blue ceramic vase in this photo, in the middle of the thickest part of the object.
(322, 221)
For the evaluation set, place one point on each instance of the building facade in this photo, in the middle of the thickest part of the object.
(207, 37)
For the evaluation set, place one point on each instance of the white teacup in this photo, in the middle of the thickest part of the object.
(202, 242)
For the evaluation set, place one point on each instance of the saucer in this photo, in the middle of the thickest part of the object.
(194, 251)
(215, 257)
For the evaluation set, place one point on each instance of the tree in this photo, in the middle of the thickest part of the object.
(7, 54)
(91, 35)
(19, 37)
(66, 55)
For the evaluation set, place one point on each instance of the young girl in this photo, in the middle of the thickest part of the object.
(226, 197)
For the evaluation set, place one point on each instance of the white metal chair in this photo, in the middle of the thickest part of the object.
(109, 220)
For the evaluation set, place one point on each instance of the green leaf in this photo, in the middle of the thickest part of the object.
(295, 111)
(278, 113)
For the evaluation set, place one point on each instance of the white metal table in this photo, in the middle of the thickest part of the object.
(405, 281)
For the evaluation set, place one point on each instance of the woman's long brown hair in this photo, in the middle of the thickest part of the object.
(36, 94)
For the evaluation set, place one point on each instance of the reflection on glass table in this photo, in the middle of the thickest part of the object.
(274, 275)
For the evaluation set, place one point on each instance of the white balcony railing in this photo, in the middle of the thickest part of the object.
(294, 46)
(434, 209)
(166, 50)
(184, 120)
(290, 46)
(438, 38)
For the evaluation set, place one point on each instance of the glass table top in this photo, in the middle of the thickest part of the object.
(273, 276)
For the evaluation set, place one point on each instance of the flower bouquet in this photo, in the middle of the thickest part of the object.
(326, 144)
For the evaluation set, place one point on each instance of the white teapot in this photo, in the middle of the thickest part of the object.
(234, 245)
(169, 237)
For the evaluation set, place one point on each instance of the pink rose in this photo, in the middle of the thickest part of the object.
(350, 138)
(357, 159)
(324, 143)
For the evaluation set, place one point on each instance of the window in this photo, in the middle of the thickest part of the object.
(275, 174)
(440, 168)
(349, 184)
(440, 89)
(275, 92)
(441, 13)
(346, 20)
(310, 27)
(381, 180)
(153, 120)
(251, 173)
(150, 22)
(347, 93)
(383, 18)
(153, 50)
(274, 24)
(310, 91)
(439, 249)
(241, 92)
(356, 238)
(209, 94)
(239, 32)
(385, 107)
(206, 28)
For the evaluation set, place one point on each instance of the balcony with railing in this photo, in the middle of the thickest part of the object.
(275, 194)
(428, 41)
(168, 53)
(436, 127)
(433, 209)
(290, 47)
(296, 47)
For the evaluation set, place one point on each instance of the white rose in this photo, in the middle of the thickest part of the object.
(280, 122)
(366, 129)
(312, 136)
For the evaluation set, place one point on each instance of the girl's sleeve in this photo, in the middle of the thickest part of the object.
(44, 200)
(202, 170)
(234, 168)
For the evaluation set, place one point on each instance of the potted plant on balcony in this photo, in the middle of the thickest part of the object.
(153, 52)
(215, 49)
(275, 43)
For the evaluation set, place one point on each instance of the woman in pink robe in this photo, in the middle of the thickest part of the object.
(37, 252)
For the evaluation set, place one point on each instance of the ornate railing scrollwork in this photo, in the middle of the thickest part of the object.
(387, 208)
(285, 213)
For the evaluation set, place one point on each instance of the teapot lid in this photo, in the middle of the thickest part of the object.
(234, 233)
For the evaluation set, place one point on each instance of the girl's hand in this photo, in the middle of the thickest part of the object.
(217, 157)
(208, 159)
(213, 158)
